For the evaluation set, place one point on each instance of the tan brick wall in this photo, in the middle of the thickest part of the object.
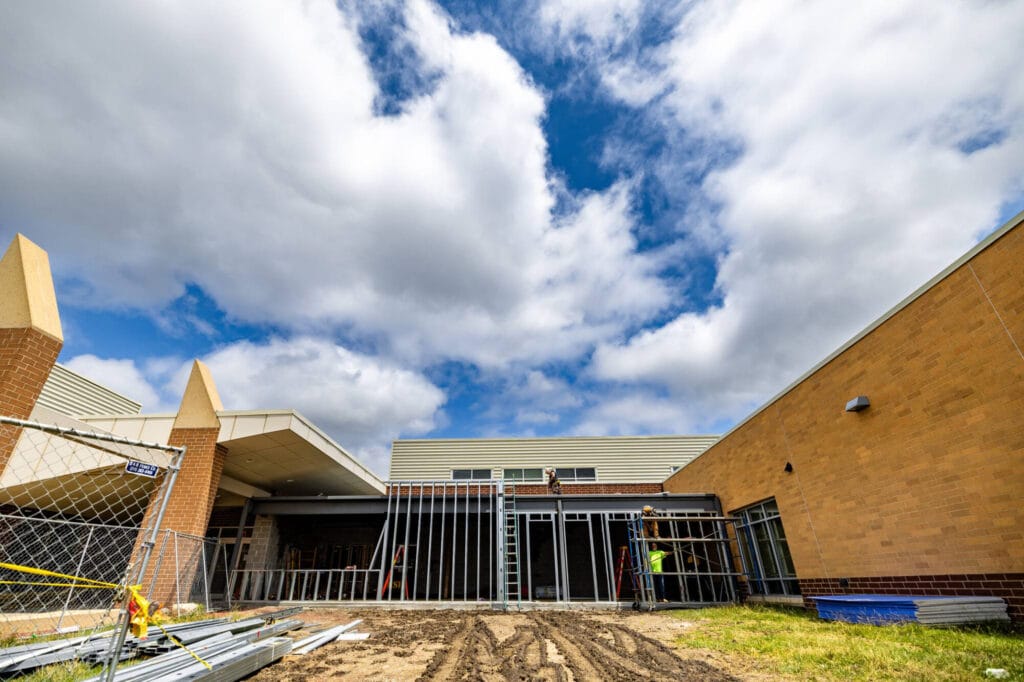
(930, 479)
(26, 358)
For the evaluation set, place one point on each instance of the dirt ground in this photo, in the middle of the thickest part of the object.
(533, 645)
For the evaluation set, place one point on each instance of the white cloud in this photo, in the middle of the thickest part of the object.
(122, 376)
(606, 21)
(859, 176)
(235, 146)
(636, 411)
(363, 402)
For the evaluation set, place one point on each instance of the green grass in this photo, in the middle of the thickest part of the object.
(71, 671)
(794, 643)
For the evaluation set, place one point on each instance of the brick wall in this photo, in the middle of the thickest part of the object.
(26, 358)
(191, 501)
(927, 482)
(1009, 586)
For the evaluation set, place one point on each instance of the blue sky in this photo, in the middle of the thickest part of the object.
(408, 219)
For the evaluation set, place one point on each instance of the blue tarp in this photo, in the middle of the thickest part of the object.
(870, 608)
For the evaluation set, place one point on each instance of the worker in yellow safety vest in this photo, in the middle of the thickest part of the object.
(656, 556)
(141, 612)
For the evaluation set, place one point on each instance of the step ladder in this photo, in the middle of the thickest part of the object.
(513, 587)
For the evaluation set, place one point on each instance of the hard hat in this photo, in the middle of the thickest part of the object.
(648, 509)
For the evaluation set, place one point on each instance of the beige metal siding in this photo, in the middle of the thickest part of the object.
(618, 459)
(72, 394)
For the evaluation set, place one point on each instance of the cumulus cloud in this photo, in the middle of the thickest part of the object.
(875, 144)
(364, 401)
(123, 376)
(236, 146)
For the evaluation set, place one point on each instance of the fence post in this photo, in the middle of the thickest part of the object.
(110, 665)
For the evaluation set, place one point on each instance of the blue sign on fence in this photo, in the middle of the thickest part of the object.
(141, 469)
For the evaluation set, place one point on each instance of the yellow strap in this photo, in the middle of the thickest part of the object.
(90, 583)
(82, 587)
(53, 574)
(192, 653)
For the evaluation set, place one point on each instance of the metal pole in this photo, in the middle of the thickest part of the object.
(206, 581)
(593, 558)
(455, 540)
(465, 551)
(177, 575)
(554, 559)
(479, 518)
(565, 550)
(416, 568)
(405, 554)
(430, 542)
(117, 642)
(492, 500)
(385, 555)
(529, 565)
(78, 571)
(440, 547)
(500, 543)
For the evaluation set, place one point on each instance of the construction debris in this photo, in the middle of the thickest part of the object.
(304, 646)
(886, 608)
(215, 649)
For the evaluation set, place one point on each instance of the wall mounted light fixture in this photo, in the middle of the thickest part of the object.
(859, 403)
(789, 468)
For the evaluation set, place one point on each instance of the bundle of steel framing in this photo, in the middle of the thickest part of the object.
(233, 649)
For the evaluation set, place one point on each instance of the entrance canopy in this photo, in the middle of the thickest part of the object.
(270, 452)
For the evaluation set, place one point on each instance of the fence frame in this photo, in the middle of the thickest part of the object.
(163, 492)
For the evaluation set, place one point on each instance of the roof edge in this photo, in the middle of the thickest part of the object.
(993, 237)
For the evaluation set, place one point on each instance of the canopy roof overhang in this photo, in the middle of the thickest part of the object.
(269, 452)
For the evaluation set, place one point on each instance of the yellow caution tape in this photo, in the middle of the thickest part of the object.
(173, 639)
(28, 582)
(53, 574)
(77, 581)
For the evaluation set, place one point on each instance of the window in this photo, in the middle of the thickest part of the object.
(526, 475)
(471, 474)
(576, 474)
(765, 552)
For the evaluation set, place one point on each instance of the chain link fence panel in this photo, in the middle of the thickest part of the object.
(79, 513)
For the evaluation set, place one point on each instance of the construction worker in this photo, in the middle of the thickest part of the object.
(650, 522)
(554, 485)
(656, 556)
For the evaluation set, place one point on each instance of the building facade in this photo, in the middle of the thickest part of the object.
(919, 493)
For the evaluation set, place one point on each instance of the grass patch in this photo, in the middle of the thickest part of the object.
(72, 671)
(794, 642)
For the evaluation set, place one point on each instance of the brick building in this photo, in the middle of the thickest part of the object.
(894, 465)
(919, 492)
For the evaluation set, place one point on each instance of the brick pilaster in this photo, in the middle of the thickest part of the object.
(26, 358)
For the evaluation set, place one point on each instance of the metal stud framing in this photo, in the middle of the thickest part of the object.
(471, 541)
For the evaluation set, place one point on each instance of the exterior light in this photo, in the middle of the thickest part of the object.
(859, 403)
(789, 468)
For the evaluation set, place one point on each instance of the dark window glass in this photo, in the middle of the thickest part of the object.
(471, 474)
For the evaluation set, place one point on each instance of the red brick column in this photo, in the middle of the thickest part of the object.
(26, 358)
(190, 504)
(188, 511)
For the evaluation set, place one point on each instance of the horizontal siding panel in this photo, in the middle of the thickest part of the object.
(72, 394)
(618, 459)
